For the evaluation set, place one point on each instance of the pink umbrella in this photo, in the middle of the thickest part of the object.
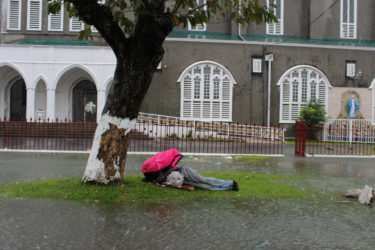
(162, 160)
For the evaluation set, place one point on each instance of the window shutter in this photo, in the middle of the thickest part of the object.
(225, 110)
(75, 24)
(196, 109)
(257, 65)
(187, 88)
(297, 88)
(34, 15)
(55, 21)
(322, 92)
(295, 112)
(351, 30)
(206, 93)
(285, 111)
(350, 69)
(276, 28)
(199, 27)
(348, 19)
(226, 89)
(216, 110)
(373, 106)
(14, 15)
(206, 110)
(187, 110)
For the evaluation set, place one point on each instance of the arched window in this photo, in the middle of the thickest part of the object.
(206, 92)
(18, 100)
(84, 95)
(297, 86)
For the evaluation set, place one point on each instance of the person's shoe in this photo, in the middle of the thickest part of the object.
(235, 186)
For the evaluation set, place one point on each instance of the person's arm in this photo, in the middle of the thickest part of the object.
(163, 175)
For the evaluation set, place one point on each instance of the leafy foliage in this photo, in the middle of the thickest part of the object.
(314, 113)
(180, 11)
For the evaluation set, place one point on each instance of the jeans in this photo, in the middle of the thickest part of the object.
(191, 177)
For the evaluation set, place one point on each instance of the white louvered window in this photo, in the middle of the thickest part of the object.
(76, 25)
(14, 15)
(297, 87)
(348, 19)
(199, 27)
(56, 21)
(206, 93)
(34, 15)
(277, 7)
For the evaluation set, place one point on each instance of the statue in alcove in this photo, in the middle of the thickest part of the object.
(352, 107)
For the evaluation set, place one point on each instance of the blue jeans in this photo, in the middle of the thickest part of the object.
(191, 177)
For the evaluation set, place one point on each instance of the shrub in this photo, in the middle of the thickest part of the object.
(314, 113)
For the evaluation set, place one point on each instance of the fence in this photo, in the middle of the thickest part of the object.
(340, 137)
(148, 136)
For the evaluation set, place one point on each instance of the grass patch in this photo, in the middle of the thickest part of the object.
(249, 159)
(133, 190)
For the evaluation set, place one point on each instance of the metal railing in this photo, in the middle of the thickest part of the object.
(349, 130)
(149, 135)
(339, 138)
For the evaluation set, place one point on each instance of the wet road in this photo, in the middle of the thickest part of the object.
(273, 223)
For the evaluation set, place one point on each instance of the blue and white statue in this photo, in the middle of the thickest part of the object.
(352, 107)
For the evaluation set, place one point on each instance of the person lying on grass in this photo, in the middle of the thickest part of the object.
(162, 169)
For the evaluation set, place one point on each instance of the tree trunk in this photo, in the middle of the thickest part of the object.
(107, 158)
(137, 59)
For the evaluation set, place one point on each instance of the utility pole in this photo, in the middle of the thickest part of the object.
(269, 59)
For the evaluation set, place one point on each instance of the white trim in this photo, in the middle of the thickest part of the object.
(257, 65)
(288, 115)
(64, 70)
(214, 41)
(304, 66)
(38, 23)
(264, 43)
(280, 24)
(199, 27)
(55, 17)
(19, 15)
(372, 85)
(346, 33)
(205, 62)
(342, 156)
(74, 23)
(200, 104)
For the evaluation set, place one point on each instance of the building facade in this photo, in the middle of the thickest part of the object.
(219, 71)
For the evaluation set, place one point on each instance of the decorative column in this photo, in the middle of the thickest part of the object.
(30, 104)
(51, 100)
(100, 103)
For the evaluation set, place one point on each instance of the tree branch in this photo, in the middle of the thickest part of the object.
(102, 18)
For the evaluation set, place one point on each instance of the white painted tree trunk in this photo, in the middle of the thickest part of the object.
(96, 168)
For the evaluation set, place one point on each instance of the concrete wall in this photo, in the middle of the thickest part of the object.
(250, 93)
(337, 105)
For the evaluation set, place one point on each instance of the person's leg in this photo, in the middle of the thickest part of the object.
(191, 177)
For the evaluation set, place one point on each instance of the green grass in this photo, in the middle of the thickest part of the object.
(133, 190)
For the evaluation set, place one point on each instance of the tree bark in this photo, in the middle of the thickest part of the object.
(137, 58)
